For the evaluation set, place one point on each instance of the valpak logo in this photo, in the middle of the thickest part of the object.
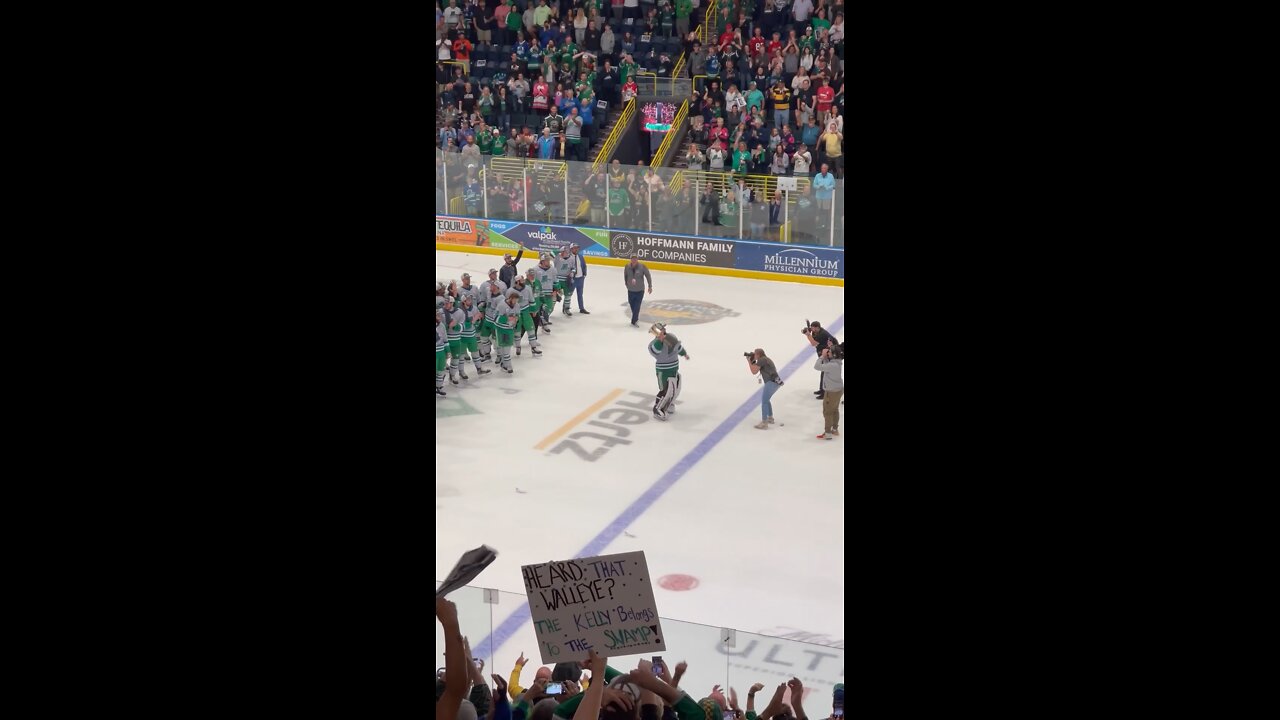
(544, 236)
(801, 262)
(680, 312)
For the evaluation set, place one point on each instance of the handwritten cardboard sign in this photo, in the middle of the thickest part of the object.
(603, 602)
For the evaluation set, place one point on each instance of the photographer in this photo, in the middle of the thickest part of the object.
(819, 339)
(829, 364)
(759, 364)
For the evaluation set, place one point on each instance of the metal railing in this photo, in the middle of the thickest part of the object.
(660, 157)
(614, 135)
(706, 21)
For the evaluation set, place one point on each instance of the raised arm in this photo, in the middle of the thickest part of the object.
(797, 697)
(456, 680)
(590, 707)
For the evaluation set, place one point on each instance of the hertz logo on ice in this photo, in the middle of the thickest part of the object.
(800, 261)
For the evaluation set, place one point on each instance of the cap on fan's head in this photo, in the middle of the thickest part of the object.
(492, 271)
(529, 272)
(466, 276)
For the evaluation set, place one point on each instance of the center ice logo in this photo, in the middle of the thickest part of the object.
(680, 312)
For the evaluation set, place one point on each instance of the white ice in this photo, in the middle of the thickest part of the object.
(756, 518)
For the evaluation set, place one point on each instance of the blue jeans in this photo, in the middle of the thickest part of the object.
(634, 297)
(577, 287)
(780, 118)
(766, 408)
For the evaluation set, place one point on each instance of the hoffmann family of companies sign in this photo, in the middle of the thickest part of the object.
(752, 255)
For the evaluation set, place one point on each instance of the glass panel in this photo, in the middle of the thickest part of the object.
(773, 660)
(474, 620)
(586, 199)
(673, 209)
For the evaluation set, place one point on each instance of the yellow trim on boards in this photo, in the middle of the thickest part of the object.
(619, 262)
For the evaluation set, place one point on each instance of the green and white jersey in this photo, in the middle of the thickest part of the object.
(666, 354)
(473, 291)
(546, 279)
(442, 338)
(526, 297)
(493, 304)
(503, 319)
(468, 324)
(455, 319)
(564, 267)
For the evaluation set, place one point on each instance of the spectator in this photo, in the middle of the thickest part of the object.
(683, 9)
(608, 42)
(779, 161)
(831, 151)
(573, 134)
(801, 161)
(781, 97)
(546, 144)
(452, 15)
(695, 158)
(715, 157)
(754, 97)
(710, 205)
(823, 185)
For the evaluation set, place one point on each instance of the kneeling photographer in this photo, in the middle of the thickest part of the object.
(759, 364)
(819, 339)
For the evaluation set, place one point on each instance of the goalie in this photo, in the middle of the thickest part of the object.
(666, 351)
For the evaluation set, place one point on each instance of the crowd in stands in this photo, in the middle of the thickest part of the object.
(597, 691)
(531, 78)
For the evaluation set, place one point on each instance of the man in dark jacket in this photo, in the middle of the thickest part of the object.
(819, 339)
(580, 278)
(508, 271)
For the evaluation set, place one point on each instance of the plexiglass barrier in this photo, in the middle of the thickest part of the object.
(633, 197)
(500, 631)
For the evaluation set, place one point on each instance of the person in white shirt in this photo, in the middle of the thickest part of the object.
(801, 11)
(452, 15)
(801, 161)
(444, 49)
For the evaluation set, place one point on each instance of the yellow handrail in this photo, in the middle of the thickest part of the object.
(675, 70)
(615, 135)
(655, 80)
(706, 22)
(659, 157)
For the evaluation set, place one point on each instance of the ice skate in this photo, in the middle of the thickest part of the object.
(464, 375)
(453, 379)
(482, 371)
(440, 392)
(536, 351)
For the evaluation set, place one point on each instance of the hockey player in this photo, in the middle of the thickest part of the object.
(493, 279)
(666, 351)
(468, 289)
(524, 286)
(493, 304)
(453, 316)
(439, 293)
(547, 280)
(442, 344)
(468, 336)
(565, 272)
(508, 314)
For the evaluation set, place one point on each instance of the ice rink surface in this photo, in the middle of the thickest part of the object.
(564, 458)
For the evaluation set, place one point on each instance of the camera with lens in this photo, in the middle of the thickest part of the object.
(749, 355)
(806, 329)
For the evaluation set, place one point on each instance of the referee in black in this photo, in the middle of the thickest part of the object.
(819, 339)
